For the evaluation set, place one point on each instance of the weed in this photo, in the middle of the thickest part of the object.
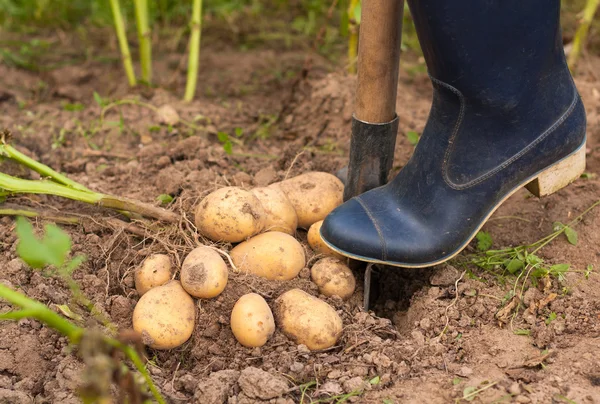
(413, 137)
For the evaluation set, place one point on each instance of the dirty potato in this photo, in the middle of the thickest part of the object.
(273, 255)
(317, 244)
(313, 195)
(333, 277)
(230, 214)
(280, 214)
(154, 271)
(165, 316)
(308, 320)
(204, 273)
(252, 321)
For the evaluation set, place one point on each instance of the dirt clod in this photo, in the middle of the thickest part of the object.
(257, 383)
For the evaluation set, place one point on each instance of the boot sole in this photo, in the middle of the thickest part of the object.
(543, 183)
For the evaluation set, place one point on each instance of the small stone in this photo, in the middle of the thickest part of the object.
(303, 349)
(334, 374)
(257, 383)
(425, 324)
(445, 276)
(522, 399)
(330, 389)
(163, 161)
(465, 371)
(418, 337)
(514, 389)
(296, 367)
(367, 358)
(242, 179)
(265, 177)
(356, 384)
(167, 115)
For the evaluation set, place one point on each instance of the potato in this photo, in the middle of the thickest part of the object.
(204, 273)
(252, 321)
(165, 316)
(272, 255)
(154, 271)
(280, 214)
(333, 278)
(308, 320)
(317, 244)
(313, 195)
(230, 214)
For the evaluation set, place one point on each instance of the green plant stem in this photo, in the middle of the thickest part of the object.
(34, 309)
(122, 37)
(194, 51)
(42, 313)
(22, 186)
(582, 31)
(26, 212)
(38, 167)
(353, 37)
(144, 36)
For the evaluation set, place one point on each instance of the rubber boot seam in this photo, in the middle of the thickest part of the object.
(376, 225)
(480, 179)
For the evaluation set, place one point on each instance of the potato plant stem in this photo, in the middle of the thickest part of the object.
(194, 51)
(122, 37)
(353, 37)
(143, 29)
(33, 309)
(22, 186)
(581, 35)
(45, 171)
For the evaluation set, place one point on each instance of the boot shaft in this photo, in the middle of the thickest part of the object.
(493, 51)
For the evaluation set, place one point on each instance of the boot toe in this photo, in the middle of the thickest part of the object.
(351, 230)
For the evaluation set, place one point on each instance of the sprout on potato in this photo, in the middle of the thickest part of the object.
(308, 320)
(316, 241)
(154, 271)
(204, 273)
(272, 255)
(165, 316)
(230, 214)
(314, 195)
(252, 321)
(280, 214)
(333, 278)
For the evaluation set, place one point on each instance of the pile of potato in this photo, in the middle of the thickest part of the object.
(263, 221)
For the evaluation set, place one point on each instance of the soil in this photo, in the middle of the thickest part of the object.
(434, 334)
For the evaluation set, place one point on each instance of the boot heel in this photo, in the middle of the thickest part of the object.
(559, 175)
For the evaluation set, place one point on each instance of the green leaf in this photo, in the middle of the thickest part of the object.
(52, 249)
(413, 137)
(539, 273)
(559, 269)
(533, 260)
(66, 310)
(456, 380)
(164, 199)
(73, 107)
(571, 235)
(484, 241)
(556, 226)
(224, 139)
(521, 331)
(375, 380)
(588, 271)
(588, 176)
(98, 99)
(238, 132)
(514, 265)
(551, 318)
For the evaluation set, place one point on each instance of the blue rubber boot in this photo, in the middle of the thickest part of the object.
(505, 114)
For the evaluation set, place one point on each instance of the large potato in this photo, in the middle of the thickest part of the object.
(317, 244)
(272, 255)
(280, 214)
(204, 273)
(252, 321)
(154, 271)
(308, 320)
(313, 195)
(165, 316)
(333, 278)
(230, 214)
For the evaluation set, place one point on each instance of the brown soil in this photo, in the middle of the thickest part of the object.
(403, 344)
